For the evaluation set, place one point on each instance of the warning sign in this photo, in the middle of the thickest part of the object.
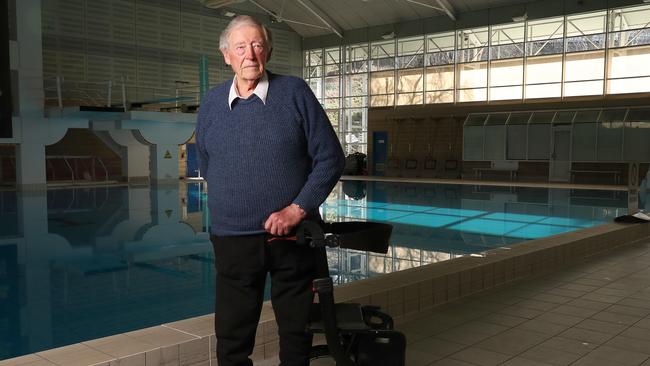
(168, 155)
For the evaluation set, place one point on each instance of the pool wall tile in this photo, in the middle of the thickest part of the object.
(163, 356)
(440, 290)
(426, 302)
(396, 296)
(195, 352)
(380, 299)
(488, 275)
(476, 278)
(270, 331)
(412, 292)
(396, 309)
(411, 306)
(133, 360)
(269, 350)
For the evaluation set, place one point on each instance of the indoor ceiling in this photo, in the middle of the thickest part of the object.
(311, 18)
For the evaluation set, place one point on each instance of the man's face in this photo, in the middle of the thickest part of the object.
(247, 52)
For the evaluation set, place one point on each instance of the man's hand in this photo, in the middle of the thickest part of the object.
(281, 222)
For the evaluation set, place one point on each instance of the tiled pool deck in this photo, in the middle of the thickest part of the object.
(579, 298)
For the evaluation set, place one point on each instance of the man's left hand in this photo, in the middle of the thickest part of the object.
(281, 222)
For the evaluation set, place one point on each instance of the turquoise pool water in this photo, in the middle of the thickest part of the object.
(83, 263)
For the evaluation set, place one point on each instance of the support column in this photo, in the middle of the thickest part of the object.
(33, 226)
(30, 166)
(165, 205)
(135, 162)
(164, 163)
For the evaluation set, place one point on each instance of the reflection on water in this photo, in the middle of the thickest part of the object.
(82, 263)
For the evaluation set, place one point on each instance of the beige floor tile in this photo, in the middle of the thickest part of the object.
(628, 310)
(567, 293)
(602, 298)
(591, 282)
(503, 319)
(451, 362)
(200, 326)
(611, 356)
(638, 303)
(419, 358)
(577, 288)
(601, 326)
(574, 311)
(463, 336)
(555, 298)
(160, 336)
(436, 346)
(537, 304)
(573, 346)
(542, 326)
(479, 356)
(520, 361)
(119, 345)
(589, 304)
(520, 311)
(513, 341)
(560, 319)
(550, 355)
(630, 344)
(616, 318)
(28, 360)
(75, 355)
(637, 332)
(586, 335)
(319, 362)
(643, 323)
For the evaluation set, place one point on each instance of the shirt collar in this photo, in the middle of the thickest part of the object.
(261, 90)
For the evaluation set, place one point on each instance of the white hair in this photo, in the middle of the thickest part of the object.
(244, 20)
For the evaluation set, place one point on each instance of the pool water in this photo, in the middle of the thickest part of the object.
(82, 263)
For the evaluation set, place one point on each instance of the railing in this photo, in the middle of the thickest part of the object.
(182, 97)
(78, 167)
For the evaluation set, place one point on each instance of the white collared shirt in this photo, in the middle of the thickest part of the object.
(261, 90)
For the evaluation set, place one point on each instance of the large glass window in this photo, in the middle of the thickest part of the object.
(439, 74)
(382, 88)
(629, 42)
(594, 53)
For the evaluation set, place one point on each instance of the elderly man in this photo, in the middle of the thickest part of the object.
(270, 157)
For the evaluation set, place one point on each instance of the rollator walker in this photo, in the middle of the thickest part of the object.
(357, 335)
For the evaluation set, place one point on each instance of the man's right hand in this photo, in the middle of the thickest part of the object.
(280, 223)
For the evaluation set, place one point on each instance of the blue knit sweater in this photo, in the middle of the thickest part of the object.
(259, 158)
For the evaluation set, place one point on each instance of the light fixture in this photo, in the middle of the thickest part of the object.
(646, 1)
(229, 14)
(388, 35)
(522, 18)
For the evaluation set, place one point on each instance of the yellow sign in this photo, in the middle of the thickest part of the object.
(168, 155)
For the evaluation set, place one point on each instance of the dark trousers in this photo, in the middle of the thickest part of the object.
(242, 263)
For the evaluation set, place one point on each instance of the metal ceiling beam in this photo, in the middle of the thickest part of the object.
(443, 6)
(447, 8)
(322, 16)
(279, 18)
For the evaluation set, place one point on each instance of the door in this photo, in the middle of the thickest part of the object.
(560, 162)
(379, 152)
(192, 162)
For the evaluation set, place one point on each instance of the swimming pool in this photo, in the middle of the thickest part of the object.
(83, 263)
